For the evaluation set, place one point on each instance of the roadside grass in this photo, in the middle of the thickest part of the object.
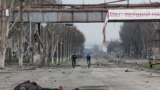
(146, 65)
(64, 61)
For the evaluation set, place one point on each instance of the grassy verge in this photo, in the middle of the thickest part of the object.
(65, 61)
(146, 65)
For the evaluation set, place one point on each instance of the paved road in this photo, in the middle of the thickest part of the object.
(106, 77)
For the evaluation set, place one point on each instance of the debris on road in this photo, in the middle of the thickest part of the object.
(147, 81)
(32, 85)
(63, 72)
(126, 70)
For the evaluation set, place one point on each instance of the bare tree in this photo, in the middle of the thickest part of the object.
(136, 37)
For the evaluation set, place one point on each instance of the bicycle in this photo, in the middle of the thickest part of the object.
(73, 63)
(89, 63)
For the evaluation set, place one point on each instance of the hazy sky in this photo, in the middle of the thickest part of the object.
(93, 31)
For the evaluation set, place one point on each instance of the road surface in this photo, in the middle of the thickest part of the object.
(102, 77)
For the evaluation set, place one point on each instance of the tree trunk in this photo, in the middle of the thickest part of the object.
(3, 34)
(57, 55)
(46, 47)
(52, 49)
(21, 37)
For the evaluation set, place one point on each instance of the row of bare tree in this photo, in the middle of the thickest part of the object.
(40, 45)
(136, 39)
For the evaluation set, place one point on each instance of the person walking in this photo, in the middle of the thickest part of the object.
(74, 57)
(88, 60)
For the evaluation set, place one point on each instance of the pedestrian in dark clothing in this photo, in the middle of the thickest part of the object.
(88, 60)
(74, 57)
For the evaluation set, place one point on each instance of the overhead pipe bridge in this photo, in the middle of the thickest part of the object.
(71, 13)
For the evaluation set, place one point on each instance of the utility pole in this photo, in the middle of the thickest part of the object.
(3, 33)
(21, 35)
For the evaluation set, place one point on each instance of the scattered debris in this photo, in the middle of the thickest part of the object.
(126, 70)
(28, 68)
(8, 77)
(93, 88)
(58, 70)
(76, 89)
(63, 72)
(97, 63)
(150, 74)
(5, 72)
(78, 65)
(147, 81)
